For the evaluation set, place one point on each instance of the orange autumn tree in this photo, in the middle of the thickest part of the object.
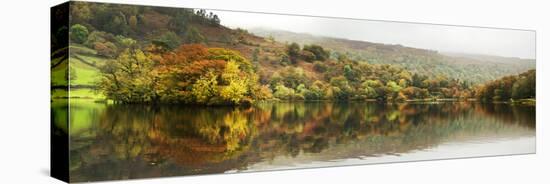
(191, 74)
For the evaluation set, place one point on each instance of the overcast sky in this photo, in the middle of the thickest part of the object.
(500, 42)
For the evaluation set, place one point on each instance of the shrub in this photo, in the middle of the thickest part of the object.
(98, 36)
(320, 53)
(107, 49)
(307, 55)
(192, 35)
(78, 33)
(293, 51)
(319, 67)
(168, 40)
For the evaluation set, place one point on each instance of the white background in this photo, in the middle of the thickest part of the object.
(24, 98)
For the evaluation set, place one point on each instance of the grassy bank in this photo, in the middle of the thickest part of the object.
(528, 101)
(83, 93)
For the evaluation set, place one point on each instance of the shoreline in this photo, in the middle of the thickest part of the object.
(525, 102)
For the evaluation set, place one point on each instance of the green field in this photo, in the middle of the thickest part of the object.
(77, 48)
(58, 74)
(84, 73)
(83, 93)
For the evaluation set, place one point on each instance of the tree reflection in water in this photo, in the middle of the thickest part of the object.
(133, 141)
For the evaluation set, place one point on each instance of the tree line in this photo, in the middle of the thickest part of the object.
(336, 77)
(515, 87)
(197, 74)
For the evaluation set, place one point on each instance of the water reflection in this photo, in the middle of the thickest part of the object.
(132, 141)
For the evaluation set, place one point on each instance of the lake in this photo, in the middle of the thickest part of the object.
(109, 142)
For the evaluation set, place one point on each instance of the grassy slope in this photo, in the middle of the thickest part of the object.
(58, 74)
(86, 74)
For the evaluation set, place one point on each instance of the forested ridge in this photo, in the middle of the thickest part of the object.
(138, 54)
(474, 68)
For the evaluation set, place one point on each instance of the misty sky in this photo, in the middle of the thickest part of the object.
(500, 42)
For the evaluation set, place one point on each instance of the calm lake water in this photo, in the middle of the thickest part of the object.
(133, 141)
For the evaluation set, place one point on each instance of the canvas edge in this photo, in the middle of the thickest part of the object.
(59, 136)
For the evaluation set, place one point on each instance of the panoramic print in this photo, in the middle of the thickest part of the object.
(144, 91)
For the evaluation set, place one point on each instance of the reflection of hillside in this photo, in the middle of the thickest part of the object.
(143, 141)
(512, 114)
(379, 128)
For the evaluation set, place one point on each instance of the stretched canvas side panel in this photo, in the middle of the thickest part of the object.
(59, 133)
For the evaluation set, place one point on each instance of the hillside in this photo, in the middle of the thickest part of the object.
(133, 54)
(474, 68)
(84, 73)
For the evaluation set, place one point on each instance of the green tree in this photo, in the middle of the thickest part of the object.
(320, 67)
(215, 20)
(169, 40)
(125, 42)
(525, 86)
(284, 93)
(342, 89)
(348, 73)
(307, 55)
(318, 90)
(320, 53)
(293, 76)
(192, 35)
(418, 79)
(393, 87)
(369, 88)
(393, 90)
(129, 79)
(78, 33)
(293, 51)
(285, 60)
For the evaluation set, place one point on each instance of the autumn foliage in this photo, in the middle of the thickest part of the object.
(522, 86)
(191, 74)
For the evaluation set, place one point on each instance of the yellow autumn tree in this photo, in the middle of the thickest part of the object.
(237, 86)
(205, 88)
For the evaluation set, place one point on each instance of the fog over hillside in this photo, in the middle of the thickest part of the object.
(444, 38)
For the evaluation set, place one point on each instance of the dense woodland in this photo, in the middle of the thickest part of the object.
(135, 54)
(522, 86)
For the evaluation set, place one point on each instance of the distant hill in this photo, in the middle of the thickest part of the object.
(470, 67)
(488, 58)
